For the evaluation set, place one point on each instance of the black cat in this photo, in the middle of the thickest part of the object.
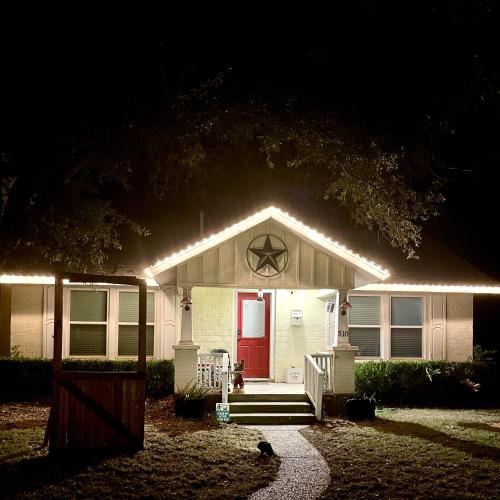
(266, 450)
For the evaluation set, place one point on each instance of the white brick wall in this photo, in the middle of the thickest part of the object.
(459, 314)
(292, 342)
(212, 317)
(213, 324)
(26, 319)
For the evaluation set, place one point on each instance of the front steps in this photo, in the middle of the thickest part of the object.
(271, 409)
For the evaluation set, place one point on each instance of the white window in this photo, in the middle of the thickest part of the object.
(128, 323)
(88, 322)
(364, 324)
(406, 327)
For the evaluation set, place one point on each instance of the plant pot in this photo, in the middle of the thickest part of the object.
(190, 408)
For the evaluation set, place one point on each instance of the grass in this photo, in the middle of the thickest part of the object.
(414, 453)
(184, 460)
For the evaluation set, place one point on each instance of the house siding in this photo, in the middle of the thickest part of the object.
(459, 323)
(27, 319)
(292, 342)
(212, 318)
(214, 323)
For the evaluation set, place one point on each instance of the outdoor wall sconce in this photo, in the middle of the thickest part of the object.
(260, 295)
(186, 302)
(344, 306)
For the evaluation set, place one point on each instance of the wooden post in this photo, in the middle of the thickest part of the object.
(143, 299)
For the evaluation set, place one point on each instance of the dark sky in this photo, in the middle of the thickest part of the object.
(429, 71)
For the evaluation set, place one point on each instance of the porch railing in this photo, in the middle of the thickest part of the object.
(324, 360)
(210, 369)
(313, 384)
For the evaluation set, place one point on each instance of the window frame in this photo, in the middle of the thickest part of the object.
(128, 323)
(421, 327)
(67, 320)
(112, 305)
(379, 326)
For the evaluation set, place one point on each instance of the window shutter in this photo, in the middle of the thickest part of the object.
(365, 310)
(406, 342)
(367, 339)
(87, 340)
(129, 307)
(128, 338)
(88, 306)
(406, 311)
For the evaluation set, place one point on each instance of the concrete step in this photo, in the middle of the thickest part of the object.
(270, 407)
(273, 418)
(247, 398)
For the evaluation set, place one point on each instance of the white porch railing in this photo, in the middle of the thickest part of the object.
(313, 384)
(210, 369)
(324, 360)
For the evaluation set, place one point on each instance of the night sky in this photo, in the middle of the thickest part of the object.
(425, 71)
(397, 71)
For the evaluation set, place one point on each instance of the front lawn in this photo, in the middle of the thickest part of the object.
(181, 460)
(412, 453)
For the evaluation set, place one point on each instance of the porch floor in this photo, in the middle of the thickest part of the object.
(273, 388)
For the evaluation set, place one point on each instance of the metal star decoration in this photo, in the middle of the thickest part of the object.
(268, 255)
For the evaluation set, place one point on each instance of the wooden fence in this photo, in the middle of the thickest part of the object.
(97, 409)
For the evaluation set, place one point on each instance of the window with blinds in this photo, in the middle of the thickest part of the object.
(88, 322)
(364, 324)
(128, 323)
(406, 327)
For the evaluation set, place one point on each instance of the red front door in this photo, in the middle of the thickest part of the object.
(253, 334)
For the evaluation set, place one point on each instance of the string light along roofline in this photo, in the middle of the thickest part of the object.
(293, 224)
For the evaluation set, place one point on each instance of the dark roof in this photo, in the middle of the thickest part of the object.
(436, 263)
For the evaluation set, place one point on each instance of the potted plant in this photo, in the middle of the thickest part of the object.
(190, 401)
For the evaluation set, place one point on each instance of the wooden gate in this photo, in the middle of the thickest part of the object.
(97, 409)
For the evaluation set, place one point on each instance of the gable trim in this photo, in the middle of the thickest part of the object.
(291, 223)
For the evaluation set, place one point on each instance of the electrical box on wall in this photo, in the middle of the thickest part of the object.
(297, 316)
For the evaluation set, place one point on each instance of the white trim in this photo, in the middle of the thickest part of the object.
(48, 322)
(17, 279)
(423, 327)
(379, 326)
(272, 327)
(291, 223)
(429, 288)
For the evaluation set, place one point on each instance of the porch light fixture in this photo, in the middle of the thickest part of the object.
(186, 302)
(260, 295)
(344, 306)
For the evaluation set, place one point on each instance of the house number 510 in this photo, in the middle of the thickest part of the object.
(343, 333)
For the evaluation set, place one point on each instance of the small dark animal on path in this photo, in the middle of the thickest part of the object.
(266, 450)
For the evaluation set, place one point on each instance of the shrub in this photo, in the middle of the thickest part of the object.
(30, 378)
(429, 383)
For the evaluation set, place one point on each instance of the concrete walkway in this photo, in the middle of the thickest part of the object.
(303, 473)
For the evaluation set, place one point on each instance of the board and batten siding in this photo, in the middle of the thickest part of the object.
(26, 323)
(226, 265)
(459, 325)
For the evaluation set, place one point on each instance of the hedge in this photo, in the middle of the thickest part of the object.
(429, 383)
(22, 379)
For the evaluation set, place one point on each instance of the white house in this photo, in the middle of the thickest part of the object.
(268, 290)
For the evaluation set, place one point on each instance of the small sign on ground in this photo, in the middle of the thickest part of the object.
(222, 412)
